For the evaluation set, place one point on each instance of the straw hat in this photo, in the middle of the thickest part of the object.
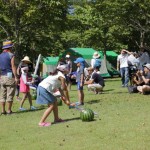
(7, 44)
(96, 55)
(26, 58)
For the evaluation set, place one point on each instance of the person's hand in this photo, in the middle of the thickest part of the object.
(16, 80)
(81, 84)
(141, 72)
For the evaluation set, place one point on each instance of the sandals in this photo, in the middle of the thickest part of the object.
(4, 113)
(7, 113)
(10, 113)
(44, 124)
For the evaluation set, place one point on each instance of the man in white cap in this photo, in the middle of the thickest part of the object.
(145, 75)
(68, 77)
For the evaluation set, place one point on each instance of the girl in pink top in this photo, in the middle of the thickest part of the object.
(24, 88)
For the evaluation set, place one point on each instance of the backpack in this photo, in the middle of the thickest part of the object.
(97, 63)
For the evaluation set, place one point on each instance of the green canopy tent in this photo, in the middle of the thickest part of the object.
(87, 54)
(107, 69)
(49, 64)
(111, 58)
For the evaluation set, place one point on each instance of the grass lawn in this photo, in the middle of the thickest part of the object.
(123, 123)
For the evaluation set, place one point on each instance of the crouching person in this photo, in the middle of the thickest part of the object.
(46, 90)
(96, 82)
(145, 75)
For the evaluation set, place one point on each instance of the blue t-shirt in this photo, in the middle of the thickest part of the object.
(5, 62)
(80, 71)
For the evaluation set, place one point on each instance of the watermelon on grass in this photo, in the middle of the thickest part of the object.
(87, 115)
(34, 95)
(59, 102)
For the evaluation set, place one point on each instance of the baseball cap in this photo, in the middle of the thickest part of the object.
(62, 67)
(79, 60)
(147, 66)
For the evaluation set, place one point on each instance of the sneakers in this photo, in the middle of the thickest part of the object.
(22, 109)
(79, 104)
(33, 108)
(71, 106)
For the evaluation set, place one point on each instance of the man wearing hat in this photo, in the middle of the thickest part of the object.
(8, 77)
(145, 75)
(95, 61)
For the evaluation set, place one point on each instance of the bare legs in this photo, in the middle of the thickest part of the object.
(26, 95)
(52, 107)
(81, 96)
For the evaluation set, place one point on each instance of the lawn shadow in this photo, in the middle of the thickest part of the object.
(28, 110)
(94, 101)
(67, 120)
(108, 90)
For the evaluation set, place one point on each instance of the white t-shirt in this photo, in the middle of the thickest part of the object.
(134, 61)
(52, 83)
(123, 60)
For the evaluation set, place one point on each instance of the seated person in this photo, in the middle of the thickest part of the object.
(136, 79)
(145, 75)
(96, 82)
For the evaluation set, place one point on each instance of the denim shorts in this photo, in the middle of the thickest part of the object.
(44, 97)
(79, 87)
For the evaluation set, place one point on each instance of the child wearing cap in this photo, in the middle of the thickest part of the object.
(24, 88)
(80, 62)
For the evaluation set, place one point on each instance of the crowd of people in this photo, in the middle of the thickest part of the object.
(135, 68)
(18, 79)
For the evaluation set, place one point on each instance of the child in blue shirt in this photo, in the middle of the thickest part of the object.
(80, 62)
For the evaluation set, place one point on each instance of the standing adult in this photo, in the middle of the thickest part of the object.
(8, 77)
(68, 76)
(122, 65)
(95, 61)
(144, 57)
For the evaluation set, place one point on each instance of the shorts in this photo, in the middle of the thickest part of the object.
(7, 90)
(79, 87)
(44, 97)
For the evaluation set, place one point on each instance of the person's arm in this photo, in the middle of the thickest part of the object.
(146, 81)
(118, 65)
(64, 91)
(91, 81)
(127, 51)
(70, 71)
(14, 70)
(24, 78)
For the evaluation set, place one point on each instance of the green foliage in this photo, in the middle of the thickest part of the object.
(50, 27)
